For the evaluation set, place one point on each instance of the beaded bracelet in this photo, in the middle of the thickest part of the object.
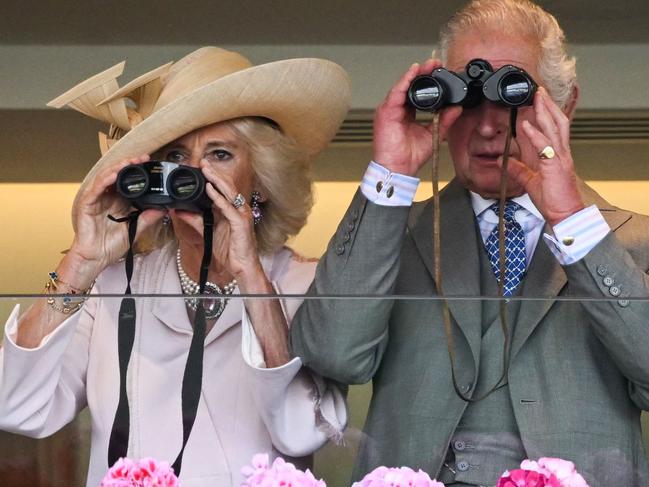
(65, 304)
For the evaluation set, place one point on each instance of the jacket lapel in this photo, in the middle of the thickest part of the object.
(172, 312)
(545, 277)
(460, 263)
(460, 267)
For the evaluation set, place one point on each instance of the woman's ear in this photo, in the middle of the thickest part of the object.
(571, 104)
(260, 195)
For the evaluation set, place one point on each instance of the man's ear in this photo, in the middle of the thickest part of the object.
(571, 104)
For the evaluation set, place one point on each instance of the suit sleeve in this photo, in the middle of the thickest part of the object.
(610, 273)
(42, 389)
(344, 339)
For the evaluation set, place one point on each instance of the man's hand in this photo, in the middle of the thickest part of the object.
(551, 183)
(401, 144)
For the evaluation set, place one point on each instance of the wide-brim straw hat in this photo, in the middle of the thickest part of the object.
(307, 98)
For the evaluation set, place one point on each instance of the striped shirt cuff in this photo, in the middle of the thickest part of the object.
(577, 235)
(386, 188)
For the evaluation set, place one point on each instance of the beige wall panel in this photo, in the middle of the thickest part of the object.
(36, 224)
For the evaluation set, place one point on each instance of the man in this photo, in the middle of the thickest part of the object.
(578, 375)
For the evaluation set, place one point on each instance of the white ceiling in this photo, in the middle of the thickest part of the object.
(199, 22)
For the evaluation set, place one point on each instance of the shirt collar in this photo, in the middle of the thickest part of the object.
(481, 204)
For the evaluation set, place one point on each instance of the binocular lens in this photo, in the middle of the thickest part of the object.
(182, 184)
(133, 181)
(425, 92)
(515, 89)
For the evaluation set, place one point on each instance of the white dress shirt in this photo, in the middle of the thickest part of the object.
(573, 237)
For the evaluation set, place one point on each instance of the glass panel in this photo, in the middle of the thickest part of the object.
(62, 459)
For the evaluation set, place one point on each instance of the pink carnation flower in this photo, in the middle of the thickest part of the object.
(527, 478)
(146, 472)
(564, 471)
(397, 477)
(259, 474)
(553, 472)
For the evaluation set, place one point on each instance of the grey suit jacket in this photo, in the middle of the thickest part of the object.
(579, 371)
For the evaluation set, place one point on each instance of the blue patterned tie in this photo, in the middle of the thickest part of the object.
(514, 248)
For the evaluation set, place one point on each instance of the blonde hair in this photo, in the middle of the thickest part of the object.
(283, 171)
(556, 68)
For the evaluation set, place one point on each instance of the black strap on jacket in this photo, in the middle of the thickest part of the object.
(193, 376)
(125, 338)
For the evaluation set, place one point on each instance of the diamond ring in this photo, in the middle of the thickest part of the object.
(238, 201)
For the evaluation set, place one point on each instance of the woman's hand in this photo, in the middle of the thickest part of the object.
(98, 241)
(400, 143)
(235, 240)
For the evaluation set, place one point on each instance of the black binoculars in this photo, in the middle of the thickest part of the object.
(509, 86)
(162, 184)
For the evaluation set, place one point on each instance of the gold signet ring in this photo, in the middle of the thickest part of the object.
(547, 152)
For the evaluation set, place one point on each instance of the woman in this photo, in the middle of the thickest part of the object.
(246, 129)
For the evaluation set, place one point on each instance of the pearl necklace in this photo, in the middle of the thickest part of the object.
(213, 307)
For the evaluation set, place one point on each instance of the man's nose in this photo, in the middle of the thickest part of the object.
(492, 119)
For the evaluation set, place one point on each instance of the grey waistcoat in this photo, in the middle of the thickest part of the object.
(487, 441)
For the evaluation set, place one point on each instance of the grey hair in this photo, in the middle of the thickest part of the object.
(556, 69)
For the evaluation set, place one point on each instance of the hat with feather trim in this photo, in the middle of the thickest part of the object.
(307, 98)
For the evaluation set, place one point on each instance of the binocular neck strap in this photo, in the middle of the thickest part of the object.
(118, 442)
(450, 342)
(193, 375)
(513, 116)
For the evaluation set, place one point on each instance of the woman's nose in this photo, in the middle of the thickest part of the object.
(193, 161)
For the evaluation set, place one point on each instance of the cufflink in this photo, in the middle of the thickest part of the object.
(567, 241)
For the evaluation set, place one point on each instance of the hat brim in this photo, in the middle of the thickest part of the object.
(308, 98)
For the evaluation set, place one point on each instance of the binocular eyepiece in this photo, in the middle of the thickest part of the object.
(162, 184)
(509, 86)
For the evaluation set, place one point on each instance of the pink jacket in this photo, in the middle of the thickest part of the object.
(244, 409)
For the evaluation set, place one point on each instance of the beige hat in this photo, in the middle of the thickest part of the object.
(307, 98)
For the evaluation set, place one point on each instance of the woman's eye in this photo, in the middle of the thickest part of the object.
(220, 155)
(174, 156)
